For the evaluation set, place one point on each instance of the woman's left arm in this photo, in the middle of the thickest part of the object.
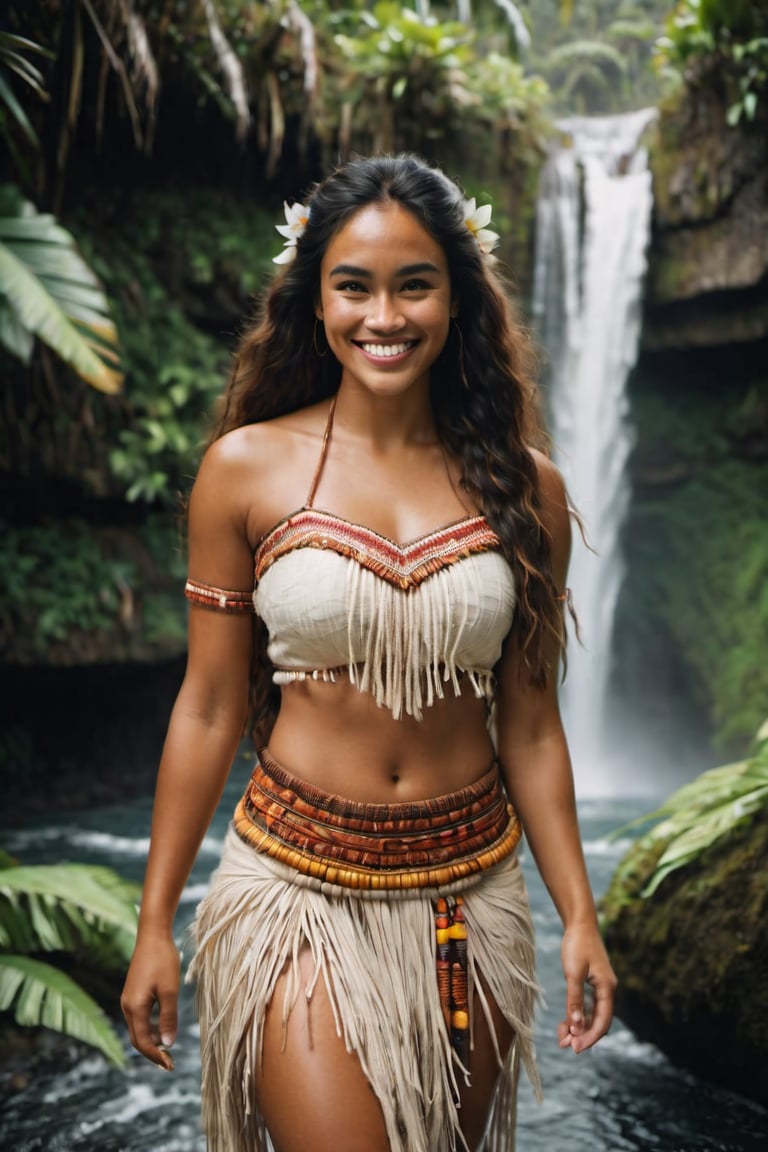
(537, 771)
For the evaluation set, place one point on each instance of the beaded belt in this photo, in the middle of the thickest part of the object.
(422, 844)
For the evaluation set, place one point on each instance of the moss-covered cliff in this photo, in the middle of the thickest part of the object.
(692, 627)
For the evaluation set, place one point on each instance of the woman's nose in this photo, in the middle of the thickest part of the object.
(384, 313)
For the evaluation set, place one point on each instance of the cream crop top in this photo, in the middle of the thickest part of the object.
(401, 622)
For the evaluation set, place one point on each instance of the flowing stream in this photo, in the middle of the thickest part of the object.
(623, 1096)
(593, 223)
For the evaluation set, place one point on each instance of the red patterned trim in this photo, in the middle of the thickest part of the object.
(208, 596)
(405, 567)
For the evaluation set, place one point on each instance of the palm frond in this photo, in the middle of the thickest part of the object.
(8, 99)
(13, 61)
(594, 52)
(39, 995)
(47, 290)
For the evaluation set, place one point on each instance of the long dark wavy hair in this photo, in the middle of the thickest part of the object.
(484, 402)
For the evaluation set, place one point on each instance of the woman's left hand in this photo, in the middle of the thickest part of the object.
(585, 964)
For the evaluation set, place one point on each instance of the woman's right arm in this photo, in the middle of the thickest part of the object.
(206, 726)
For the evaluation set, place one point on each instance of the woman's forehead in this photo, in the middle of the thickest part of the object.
(386, 230)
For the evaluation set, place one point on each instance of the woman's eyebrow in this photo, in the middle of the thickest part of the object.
(363, 273)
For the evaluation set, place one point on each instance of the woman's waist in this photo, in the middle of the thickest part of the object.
(436, 840)
(349, 746)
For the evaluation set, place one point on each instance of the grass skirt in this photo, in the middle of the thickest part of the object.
(375, 952)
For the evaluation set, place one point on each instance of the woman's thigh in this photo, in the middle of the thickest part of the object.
(314, 1095)
(312, 1092)
(475, 1098)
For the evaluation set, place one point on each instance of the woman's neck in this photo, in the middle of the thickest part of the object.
(386, 421)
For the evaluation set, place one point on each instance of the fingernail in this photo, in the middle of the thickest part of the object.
(576, 1017)
(168, 1039)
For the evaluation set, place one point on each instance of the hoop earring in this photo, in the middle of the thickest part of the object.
(462, 370)
(315, 345)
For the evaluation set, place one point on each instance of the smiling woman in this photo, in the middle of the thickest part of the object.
(377, 566)
(385, 299)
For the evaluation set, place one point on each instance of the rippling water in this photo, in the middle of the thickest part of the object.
(623, 1096)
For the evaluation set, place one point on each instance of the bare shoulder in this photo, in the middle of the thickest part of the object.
(260, 473)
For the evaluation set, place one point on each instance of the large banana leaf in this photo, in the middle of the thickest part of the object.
(68, 907)
(38, 994)
(47, 290)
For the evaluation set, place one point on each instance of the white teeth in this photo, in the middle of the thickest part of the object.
(385, 349)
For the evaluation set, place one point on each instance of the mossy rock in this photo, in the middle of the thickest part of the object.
(691, 958)
(710, 220)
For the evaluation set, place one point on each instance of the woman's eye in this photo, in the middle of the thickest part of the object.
(415, 286)
(351, 286)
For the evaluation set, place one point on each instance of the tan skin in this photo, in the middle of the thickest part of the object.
(384, 437)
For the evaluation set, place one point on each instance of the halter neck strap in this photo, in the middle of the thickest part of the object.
(323, 453)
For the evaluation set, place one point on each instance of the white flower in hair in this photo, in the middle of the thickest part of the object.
(477, 219)
(297, 216)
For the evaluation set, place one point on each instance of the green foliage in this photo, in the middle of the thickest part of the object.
(64, 587)
(68, 908)
(82, 912)
(48, 291)
(695, 817)
(40, 995)
(512, 98)
(583, 71)
(58, 580)
(14, 61)
(718, 614)
(404, 75)
(167, 260)
(596, 56)
(709, 39)
(714, 608)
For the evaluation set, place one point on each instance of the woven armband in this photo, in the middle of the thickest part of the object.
(207, 596)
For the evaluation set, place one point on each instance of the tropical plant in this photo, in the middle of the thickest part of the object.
(14, 52)
(48, 291)
(46, 288)
(728, 39)
(585, 71)
(590, 78)
(77, 913)
(698, 815)
(405, 76)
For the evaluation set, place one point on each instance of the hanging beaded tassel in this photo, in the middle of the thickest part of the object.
(442, 957)
(451, 962)
(459, 989)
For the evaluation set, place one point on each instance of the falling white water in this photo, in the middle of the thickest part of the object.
(592, 232)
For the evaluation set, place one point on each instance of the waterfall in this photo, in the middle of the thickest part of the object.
(592, 230)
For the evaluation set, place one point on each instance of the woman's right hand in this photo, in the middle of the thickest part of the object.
(150, 997)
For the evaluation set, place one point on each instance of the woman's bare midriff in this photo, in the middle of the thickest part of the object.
(337, 738)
